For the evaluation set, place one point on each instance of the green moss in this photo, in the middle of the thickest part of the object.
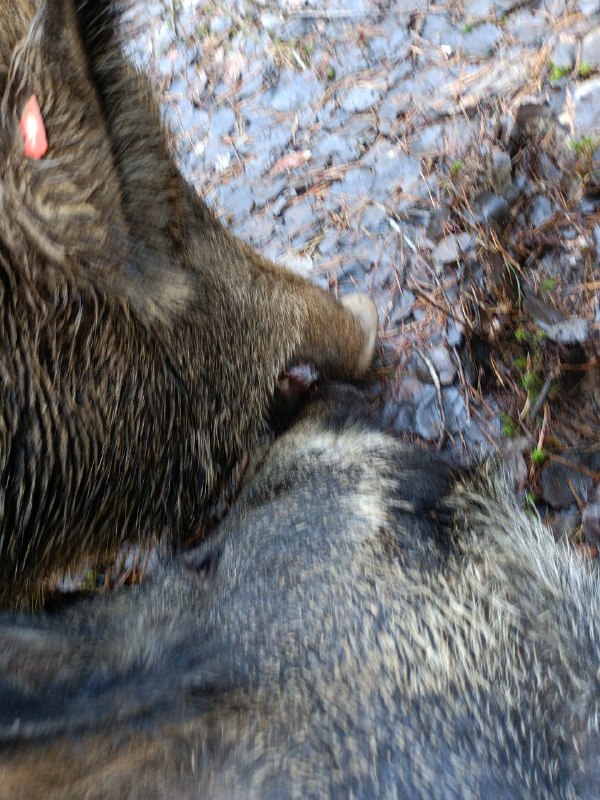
(521, 363)
(521, 335)
(530, 382)
(557, 73)
(509, 426)
(585, 146)
(549, 284)
(584, 70)
(538, 455)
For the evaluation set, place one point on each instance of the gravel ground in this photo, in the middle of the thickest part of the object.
(444, 157)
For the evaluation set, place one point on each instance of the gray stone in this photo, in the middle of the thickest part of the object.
(270, 140)
(439, 30)
(429, 141)
(586, 102)
(270, 22)
(220, 24)
(356, 184)
(438, 219)
(564, 51)
(217, 155)
(274, 250)
(357, 128)
(569, 331)
(163, 37)
(395, 104)
(409, 7)
(265, 191)
(589, 7)
(299, 217)
(564, 523)
(294, 28)
(295, 90)
(454, 332)
(252, 80)
(386, 159)
(397, 40)
(403, 307)
(449, 249)
(222, 122)
(501, 170)
(590, 48)
(401, 174)
(442, 363)
(374, 219)
(257, 229)
(428, 80)
(490, 209)
(555, 487)
(597, 241)
(555, 8)
(329, 244)
(528, 27)
(404, 417)
(480, 41)
(479, 8)
(277, 206)
(232, 200)
(361, 98)
(454, 408)
(330, 148)
(541, 210)
(549, 171)
(428, 420)
(517, 189)
(352, 271)
(349, 59)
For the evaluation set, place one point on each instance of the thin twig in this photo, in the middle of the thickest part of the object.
(534, 409)
(438, 387)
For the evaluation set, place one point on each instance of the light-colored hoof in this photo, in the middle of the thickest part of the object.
(364, 311)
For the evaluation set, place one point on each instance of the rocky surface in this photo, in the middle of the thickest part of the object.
(443, 157)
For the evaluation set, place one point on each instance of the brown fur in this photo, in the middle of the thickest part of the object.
(15, 18)
(141, 341)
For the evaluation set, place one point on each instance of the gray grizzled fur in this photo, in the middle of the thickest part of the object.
(140, 342)
(366, 623)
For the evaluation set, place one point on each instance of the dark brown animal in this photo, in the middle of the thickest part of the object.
(367, 623)
(15, 18)
(140, 342)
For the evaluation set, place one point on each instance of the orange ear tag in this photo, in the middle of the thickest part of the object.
(33, 130)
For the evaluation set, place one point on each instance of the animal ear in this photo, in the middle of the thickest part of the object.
(150, 183)
(88, 154)
(59, 174)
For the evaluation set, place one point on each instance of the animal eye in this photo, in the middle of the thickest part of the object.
(206, 567)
